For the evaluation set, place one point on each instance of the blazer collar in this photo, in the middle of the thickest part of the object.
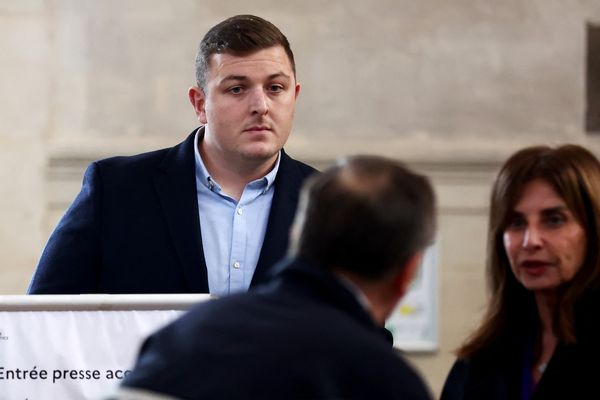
(175, 183)
(283, 209)
(317, 283)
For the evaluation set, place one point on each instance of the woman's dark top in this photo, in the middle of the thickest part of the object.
(497, 373)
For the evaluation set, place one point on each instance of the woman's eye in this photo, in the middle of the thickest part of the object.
(555, 220)
(516, 223)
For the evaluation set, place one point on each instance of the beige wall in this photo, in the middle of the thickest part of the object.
(452, 87)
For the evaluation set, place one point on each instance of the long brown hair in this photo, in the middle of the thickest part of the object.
(574, 173)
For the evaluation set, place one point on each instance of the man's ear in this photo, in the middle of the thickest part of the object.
(198, 100)
(404, 278)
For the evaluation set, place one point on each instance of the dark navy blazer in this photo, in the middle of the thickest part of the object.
(303, 335)
(134, 227)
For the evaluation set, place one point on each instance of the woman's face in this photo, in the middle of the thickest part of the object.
(543, 241)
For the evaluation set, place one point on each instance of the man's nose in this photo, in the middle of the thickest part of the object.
(259, 102)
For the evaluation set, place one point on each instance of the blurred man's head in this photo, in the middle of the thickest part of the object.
(368, 218)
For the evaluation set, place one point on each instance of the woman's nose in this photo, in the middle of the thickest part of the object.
(532, 238)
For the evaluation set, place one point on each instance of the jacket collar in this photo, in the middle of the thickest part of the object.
(175, 184)
(288, 183)
(320, 284)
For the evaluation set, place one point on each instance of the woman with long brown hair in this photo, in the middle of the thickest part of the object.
(540, 335)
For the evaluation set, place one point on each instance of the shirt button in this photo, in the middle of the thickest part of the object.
(239, 211)
(236, 265)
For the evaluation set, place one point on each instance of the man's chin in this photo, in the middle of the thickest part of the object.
(260, 154)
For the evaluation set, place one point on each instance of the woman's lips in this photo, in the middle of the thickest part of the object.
(534, 267)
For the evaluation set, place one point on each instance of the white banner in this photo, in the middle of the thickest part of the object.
(80, 352)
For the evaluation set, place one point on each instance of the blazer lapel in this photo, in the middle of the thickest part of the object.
(175, 184)
(283, 208)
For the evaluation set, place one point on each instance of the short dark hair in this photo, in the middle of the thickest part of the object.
(367, 215)
(239, 35)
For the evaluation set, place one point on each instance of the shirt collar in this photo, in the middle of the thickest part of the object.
(270, 177)
(355, 290)
(204, 177)
(202, 174)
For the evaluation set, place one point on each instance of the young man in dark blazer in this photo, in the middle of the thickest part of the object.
(316, 330)
(211, 214)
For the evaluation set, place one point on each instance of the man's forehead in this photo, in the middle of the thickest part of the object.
(272, 59)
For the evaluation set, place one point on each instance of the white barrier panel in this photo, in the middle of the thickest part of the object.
(76, 347)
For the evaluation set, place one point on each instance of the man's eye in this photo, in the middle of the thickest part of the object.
(235, 90)
(275, 88)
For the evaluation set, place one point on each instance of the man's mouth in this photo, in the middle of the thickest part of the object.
(257, 128)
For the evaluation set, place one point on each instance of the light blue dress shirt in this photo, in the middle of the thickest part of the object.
(232, 231)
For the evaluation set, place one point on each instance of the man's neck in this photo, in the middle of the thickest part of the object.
(234, 175)
(379, 297)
